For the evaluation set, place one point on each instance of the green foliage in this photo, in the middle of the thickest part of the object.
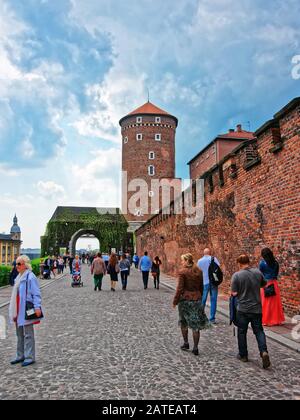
(36, 266)
(4, 275)
(109, 229)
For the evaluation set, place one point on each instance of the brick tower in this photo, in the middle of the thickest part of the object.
(148, 153)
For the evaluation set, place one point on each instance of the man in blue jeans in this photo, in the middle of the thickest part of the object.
(204, 264)
(145, 266)
(246, 285)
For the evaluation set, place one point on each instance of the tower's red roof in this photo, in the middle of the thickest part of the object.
(149, 109)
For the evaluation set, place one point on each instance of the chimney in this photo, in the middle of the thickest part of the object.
(239, 128)
(231, 130)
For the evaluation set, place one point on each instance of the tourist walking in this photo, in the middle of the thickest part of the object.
(136, 261)
(204, 265)
(125, 270)
(14, 272)
(26, 296)
(246, 285)
(98, 269)
(71, 259)
(188, 297)
(271, 301)
(145, 266)
(106, 259)
(61, 265)
(155, 271)
(113, 270)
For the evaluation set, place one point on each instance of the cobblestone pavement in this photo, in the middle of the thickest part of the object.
(125, 345)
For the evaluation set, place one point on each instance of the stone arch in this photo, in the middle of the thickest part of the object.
(79, 234)
(68, 224)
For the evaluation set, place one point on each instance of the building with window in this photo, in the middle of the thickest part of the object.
(215, 151)
(10, 245)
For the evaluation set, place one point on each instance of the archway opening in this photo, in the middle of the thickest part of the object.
(87, 244)
(83, 240)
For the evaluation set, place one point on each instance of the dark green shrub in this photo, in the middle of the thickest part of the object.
(4, 275)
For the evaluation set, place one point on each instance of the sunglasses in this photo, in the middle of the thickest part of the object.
(19, 264)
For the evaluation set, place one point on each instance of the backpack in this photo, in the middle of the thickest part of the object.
(215, 273)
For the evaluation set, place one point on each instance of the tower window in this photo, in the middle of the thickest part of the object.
(151, 170)
(139, 137)
(158, 137)
(151, 155)
(157, 120)
(125, 140)
(139, 120)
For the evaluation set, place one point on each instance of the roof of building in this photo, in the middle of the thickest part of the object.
(15, 228)
(149, 109)
(69, 212)
(5, 237)
(238, 135)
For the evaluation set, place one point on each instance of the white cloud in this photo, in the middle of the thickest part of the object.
(99, 180)
(6, 171)
(50, 190)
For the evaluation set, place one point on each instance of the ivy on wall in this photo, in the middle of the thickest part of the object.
(110, 229)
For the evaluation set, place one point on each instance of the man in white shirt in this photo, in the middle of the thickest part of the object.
(204, 264)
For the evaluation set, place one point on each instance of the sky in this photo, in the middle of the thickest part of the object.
(70, 69)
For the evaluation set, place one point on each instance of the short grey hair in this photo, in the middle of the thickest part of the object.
(26, 261)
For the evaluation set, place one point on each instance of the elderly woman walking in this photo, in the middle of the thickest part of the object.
(188, 297)
(25, 311)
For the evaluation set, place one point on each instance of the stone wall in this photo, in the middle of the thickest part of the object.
(252, 200)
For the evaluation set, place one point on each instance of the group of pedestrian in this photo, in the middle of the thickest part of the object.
(112, 266)
(255, 291)
(255, 299)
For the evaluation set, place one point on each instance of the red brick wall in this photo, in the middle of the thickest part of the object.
(224, 147)
(203, 163)
(135, 154)
(256, 207)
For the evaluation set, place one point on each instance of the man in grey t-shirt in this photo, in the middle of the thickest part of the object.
(246, 285)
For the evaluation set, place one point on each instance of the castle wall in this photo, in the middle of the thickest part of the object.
(252, 200)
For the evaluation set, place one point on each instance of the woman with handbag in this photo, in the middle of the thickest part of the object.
(270, 295)
(188, 297)
(25, 311)
(113, 270)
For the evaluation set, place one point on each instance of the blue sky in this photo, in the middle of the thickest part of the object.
(70, 69)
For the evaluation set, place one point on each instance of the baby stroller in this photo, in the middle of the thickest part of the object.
(46, 273)
(76, 279)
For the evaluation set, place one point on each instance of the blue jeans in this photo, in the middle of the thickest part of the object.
(243, 320)
(213, 300)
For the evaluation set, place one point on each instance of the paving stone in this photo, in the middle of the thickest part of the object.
(126, 345)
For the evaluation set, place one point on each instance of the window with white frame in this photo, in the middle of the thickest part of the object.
(139, 137)
(158, 137)
(125, 140)
(151, 155)
(151, 170)
(157, 120)
(139, 120)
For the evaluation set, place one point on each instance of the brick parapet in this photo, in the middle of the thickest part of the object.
(246, 208)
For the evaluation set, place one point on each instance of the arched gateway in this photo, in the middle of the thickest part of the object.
(68, 224)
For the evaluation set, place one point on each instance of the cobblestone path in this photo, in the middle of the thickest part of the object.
(125, 345)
